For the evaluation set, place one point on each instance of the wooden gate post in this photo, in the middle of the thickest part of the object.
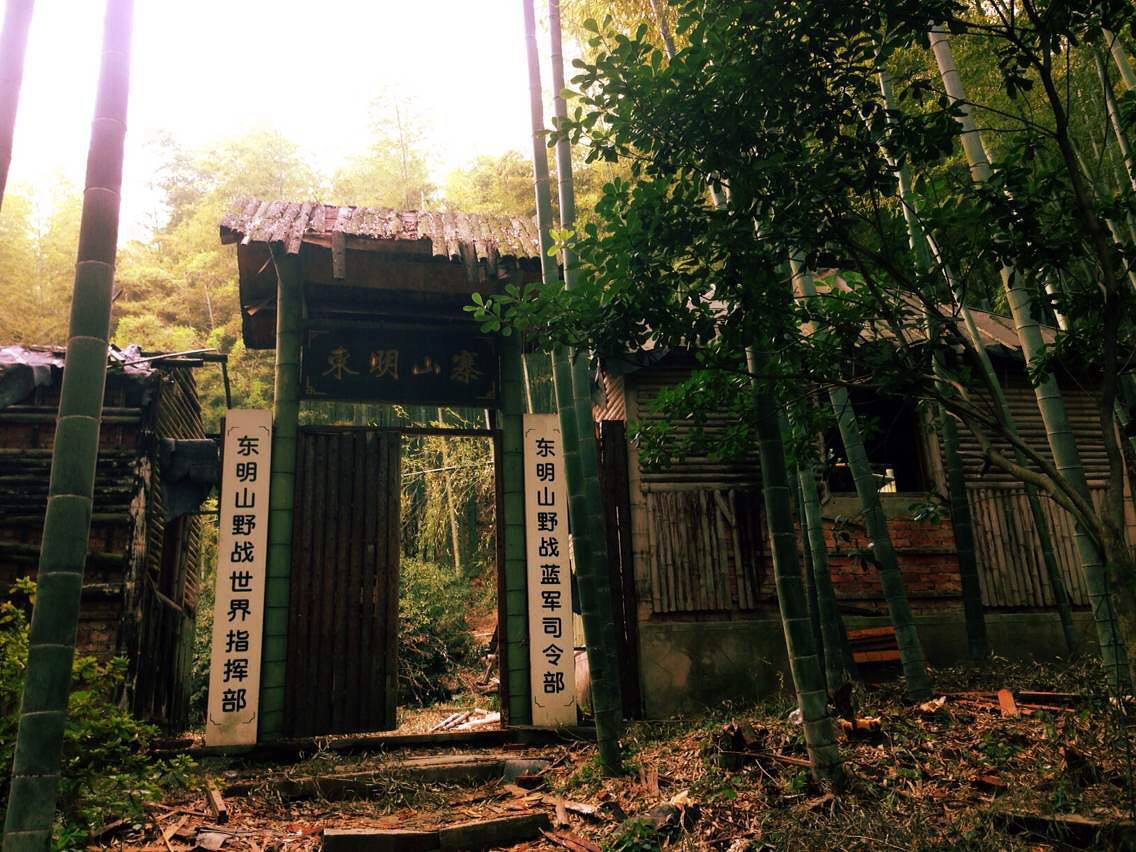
(285, 429)
(514, 633)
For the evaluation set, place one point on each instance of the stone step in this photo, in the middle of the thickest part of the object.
(450, 769)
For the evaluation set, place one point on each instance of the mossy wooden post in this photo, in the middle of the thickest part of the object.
(13, 45)
(808, 677)
(594, 582)
(55, 618)
(1050, 402)
(513, 529)
(285, 434)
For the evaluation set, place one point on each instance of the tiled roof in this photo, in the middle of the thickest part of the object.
(457, 236)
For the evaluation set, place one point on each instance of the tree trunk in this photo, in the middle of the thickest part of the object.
(1114, 119)
(586, 509)
(13, 45)
(451, 504)
(838, 664)
(867, 490)
(962, 524)
(1049, 400)
(55, 617)
(664, 28)
(1120, 57)
(808, 678)
(808, 572)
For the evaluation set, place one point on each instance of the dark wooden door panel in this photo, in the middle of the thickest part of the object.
(343, 607)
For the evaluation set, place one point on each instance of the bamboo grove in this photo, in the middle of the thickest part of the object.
(814, 198)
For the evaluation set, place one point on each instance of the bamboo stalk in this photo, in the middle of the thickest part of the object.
(585, 500)
(962, 525)
(13, 46)
(51, 643)
(838, 663)
(808, 676)
(918, 686)
(1050, 403)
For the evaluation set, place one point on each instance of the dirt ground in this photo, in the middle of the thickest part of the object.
(959, 772)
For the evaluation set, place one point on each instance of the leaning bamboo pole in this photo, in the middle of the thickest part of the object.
(13, 46)
(607, 698)
(918, 685)
(585, 505)
(55, 617)
(962, 524)
(1049, 400)
(804, 666)
(1120, 57)
(838, 665)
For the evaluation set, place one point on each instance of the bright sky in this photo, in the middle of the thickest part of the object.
(208, 69)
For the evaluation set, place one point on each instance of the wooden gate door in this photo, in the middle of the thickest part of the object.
(342, 674)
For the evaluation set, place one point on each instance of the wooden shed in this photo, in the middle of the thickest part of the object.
(143, 573)
(707, 618)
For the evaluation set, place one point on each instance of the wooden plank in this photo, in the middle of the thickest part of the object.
(744, 591)
(985, 540)
(216, 803)
(1007, 704)
(653, 562)
(338, 255)
(723, 540)
(871, 632)
(301, 551)
(378, 840)
(394, 551)
(368, 577)
(378, 673)
(325, 603)
(875, 656)
(633, 701)
(485, 834)
(340, 518)
(353, 591)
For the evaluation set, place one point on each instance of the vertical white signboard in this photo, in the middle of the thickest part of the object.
(551, 645)
(242, 554)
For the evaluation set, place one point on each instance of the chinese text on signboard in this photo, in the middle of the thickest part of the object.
(429, 365)
(238, 611)
(551, 646)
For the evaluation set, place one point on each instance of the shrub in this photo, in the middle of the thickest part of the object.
(107, 773)
(434, 640)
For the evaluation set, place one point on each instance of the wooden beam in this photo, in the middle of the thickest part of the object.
(338, 255)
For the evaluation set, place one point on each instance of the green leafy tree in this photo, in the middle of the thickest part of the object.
(777, 107)
(393, 171)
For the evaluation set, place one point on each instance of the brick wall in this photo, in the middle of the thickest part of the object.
(926, 553)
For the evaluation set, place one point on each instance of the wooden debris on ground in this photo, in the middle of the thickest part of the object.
(475, 722)
(487, 833)
(865, 728)
(1072, 829)
(378, 840)
(216, 803)
(567, 840)
(451, 721)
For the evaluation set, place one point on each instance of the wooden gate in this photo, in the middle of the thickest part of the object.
(342, 674)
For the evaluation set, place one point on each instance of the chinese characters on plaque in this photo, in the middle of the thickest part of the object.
(242, 551)
(396, 363)
(551, 645)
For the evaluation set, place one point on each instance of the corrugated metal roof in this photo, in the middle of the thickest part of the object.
(451, 235)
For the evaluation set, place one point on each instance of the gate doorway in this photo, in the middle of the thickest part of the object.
(342, 663)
